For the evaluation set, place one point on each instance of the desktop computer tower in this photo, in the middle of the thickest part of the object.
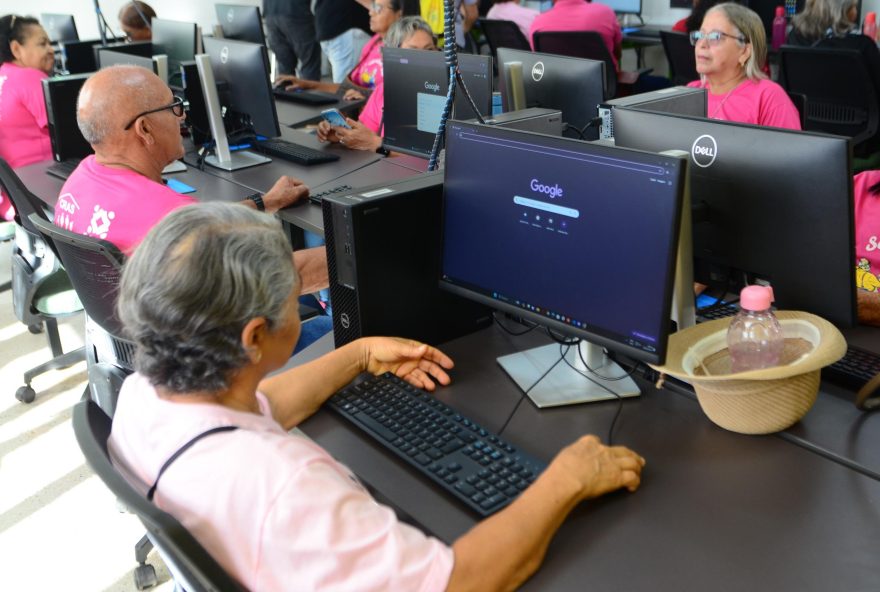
(60, 94)
(383, 253)
(678, 100)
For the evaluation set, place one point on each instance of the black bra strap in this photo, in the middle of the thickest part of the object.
(183, 449)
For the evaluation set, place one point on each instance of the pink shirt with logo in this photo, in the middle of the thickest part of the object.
(512, 11)
(867, 223)
(760, 102)
(118, 205)
(24, 128)
(578, 15)
(274, 509)
(368, 72)
(371, 116)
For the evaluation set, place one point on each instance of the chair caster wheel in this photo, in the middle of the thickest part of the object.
(25, 394)
(145, 576)
(35, 329)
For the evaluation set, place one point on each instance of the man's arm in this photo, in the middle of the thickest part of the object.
(311, 265)
(869, 307)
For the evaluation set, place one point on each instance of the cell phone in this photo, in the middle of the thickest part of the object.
(334, 117)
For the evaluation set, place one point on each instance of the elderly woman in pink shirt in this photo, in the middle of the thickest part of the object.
(26, 58)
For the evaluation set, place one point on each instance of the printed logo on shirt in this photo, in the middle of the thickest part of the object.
(64, 210)
(100, 224)
(864, 278)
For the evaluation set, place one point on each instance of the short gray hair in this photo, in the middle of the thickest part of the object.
(131, 88)
(749, 25)
(201, 274)
(404, 28)
(819, 16)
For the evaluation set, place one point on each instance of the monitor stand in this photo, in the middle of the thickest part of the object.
(564, 385)
(223, 158)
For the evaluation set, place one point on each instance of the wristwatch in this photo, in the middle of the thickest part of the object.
(258, 201)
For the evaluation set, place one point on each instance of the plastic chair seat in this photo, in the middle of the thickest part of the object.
(56, 296)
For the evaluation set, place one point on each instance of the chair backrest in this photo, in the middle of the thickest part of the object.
(94, 267)
(580, 44)
(187, 559)
(25, 202)
(840, 96)
(503, 34)
(680, 55)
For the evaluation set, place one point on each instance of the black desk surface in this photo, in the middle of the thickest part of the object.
(293, 114)
(208, 187)
(716, 510)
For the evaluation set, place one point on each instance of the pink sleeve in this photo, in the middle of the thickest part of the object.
(371, 116)
(777, 110)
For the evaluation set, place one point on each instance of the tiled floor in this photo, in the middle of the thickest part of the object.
(60, 528)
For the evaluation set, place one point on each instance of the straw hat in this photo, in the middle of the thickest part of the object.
(757, 401)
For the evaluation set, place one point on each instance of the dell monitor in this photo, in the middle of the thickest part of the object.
(60, 94)
(242, 23)
(575, 86)
(179, 41)
(575, 236)
(769, 204)
(59, 27)
(416, 83)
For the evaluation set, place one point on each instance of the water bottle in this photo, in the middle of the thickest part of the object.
(754, 338)
(869, 29)
(779, 22)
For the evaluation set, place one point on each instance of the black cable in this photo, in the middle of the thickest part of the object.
(450, 52)
(526, 392)
(531, 327)
(561, 340)
(580, 134)
(591, 123)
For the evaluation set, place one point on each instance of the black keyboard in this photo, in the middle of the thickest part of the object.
(309, 97)
(63, 169)
(294, 152)
(854, 369)
(463, 458)
(712, 313)
(319, 197)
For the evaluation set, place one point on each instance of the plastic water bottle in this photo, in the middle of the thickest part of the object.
(869, 29)
(754, 338)
(779, 23)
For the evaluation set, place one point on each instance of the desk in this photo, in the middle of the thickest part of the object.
(208, 187)
(293, 114)
(716, 511)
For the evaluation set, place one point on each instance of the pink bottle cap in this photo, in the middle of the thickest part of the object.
(780, 11)
(870, 17)
(756, 297)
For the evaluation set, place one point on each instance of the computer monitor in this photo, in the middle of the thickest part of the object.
(107, 57)
(78, 57)
(623, 6)
(60, 94)
(575, 86)
(59, 27)
(575, 236)
(180, 41)
(774, 204)
(416, 83)
(245, 68)
(242, 23)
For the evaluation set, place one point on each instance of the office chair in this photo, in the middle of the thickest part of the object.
(680, 55)
(193, 568)
(589, 44)
(41, 290)
(501, 33)
(7, 234)
(94, 267)
(839, 93)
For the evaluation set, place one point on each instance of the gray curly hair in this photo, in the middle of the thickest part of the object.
(192, 285)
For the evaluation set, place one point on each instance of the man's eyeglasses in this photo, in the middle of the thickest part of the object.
(177, 106)
(714, 38)
(377, 8)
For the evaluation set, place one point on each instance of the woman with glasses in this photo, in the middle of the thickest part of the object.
(731, 50)
(26, 59)
(367, 73)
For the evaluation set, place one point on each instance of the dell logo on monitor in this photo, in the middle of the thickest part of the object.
(224, 54)
(538, 71)
(230, 15)
(345, 321)
(704, 151)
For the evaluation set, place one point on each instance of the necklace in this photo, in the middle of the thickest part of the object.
(724, 100)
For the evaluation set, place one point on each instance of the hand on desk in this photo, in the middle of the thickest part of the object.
(601, 469)
(359, 137)
(285, 192)
(417, 363)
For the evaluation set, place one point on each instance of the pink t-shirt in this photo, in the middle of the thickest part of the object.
(512, 11)
(24, 129)
(760, 102)
(371, 115)
(578, 15)
(368, 72)
(275, 509)
(118, 205)
(867, 222)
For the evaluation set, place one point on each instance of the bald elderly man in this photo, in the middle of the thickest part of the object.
(132, 121)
